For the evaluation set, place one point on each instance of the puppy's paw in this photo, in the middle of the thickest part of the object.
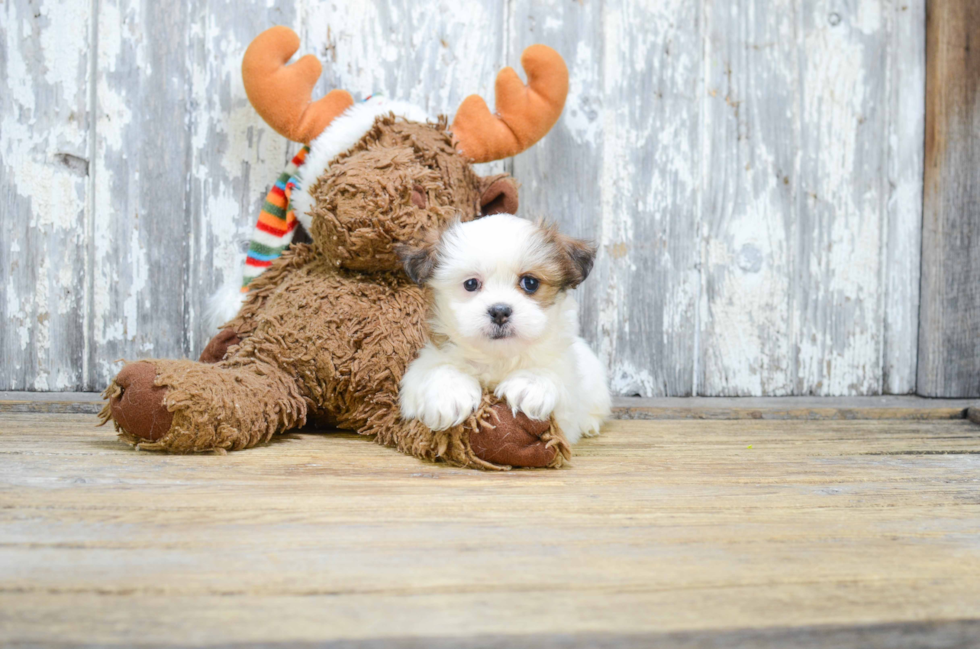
(444, 398)
(533, 394)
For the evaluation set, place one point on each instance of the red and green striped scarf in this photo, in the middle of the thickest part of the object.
(277, 222)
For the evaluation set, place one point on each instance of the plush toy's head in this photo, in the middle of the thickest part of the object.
(380, 174)
(401, 178)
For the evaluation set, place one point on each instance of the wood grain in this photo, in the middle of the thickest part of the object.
(139, 277)
(902, 235)
(776, 408)
(45, 193)
(750, 203)
(791, 408)
(693, 528)
(949, 319)
(840, 199)
(811, 252)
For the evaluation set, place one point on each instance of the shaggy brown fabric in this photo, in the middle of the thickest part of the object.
(364, 201)
(327, 332)
(214, 409)
(263, 286)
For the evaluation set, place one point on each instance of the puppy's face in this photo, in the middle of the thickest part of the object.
(497, 281)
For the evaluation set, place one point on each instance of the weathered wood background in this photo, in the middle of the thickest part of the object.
(751, 168)
(949, 322)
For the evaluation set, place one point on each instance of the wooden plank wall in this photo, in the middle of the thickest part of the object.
(752, 171)
(949, 335)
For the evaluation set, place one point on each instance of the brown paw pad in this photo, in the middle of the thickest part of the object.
(138, 408)
(514, 440)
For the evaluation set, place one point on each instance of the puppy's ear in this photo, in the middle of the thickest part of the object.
(499, 195)
(573, 256)
(420, 260)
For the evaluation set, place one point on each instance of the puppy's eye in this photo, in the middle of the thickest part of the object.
(529, 284)
(472, 284)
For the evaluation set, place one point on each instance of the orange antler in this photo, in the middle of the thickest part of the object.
(524, 113)
(282, 94)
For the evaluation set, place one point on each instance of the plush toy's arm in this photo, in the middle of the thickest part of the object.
(276, 228)
(247, 305)
(263, 286)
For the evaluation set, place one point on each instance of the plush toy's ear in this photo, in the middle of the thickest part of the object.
(575, 256)
(420, 260)
(499, 196)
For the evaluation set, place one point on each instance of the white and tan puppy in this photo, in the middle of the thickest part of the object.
(502, 319)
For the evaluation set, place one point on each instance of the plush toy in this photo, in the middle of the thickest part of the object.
(327, 328)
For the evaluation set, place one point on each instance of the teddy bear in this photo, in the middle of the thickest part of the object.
(326, 328)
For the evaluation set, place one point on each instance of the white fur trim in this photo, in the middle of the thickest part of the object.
(343, 133)
(224, 304)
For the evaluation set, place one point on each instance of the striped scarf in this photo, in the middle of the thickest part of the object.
(277, 222)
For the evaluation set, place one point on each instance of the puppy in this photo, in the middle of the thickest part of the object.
(502, 318)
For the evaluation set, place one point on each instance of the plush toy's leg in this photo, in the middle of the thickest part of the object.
(218, 346)
(259, 292)
(188, 407)
(492, 438)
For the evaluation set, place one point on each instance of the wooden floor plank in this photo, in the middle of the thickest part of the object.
(775, 408)
(674, 532)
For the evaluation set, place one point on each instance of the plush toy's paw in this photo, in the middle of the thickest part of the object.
(443, 398)
(137, 405)
(973, 414)
(183, 406)
(218, 346)
(517, 440)
(531, 393)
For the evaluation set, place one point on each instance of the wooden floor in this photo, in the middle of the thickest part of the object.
(668, 533)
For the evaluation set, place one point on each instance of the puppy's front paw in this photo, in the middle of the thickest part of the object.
(445, 398)
(530, 393)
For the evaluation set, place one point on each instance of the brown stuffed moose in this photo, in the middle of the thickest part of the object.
(325, 334)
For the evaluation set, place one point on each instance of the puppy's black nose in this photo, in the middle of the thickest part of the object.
(500, 313)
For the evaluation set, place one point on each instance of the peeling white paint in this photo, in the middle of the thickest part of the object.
(839, 350)
(631, 381)
(61, 40)
(584, 104)
(43, 206)
(902, 228)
